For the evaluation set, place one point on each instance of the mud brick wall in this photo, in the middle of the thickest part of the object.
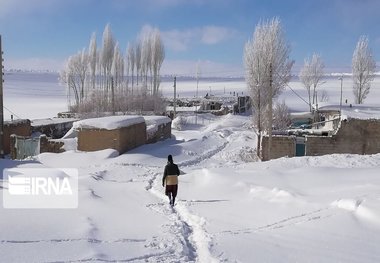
(17, 127)
(47, 145)
(354, 136)
(282, 146)
(122, 140)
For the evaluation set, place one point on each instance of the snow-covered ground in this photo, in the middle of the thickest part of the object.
(231, 207)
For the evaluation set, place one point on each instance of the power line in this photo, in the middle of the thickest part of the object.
(12, 112)
(297, 94)
(1, 104)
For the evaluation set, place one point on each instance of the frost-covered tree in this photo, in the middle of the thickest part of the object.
(158, 56)
(93, 59)
(117, 74)
(146, 54)
(324, 97)
(267, 64)
(106, 56)
(363, 69)
(74, 75)
(131, 60)
(149, 54)
(138, 61)
(281, 116)
(311, 75)
(98, 80)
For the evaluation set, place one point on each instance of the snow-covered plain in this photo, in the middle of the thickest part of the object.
(231, 207)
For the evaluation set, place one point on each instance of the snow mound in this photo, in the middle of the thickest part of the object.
(72, 133)
(360, 210)
(74, 159)
(347, 204)
(271, 195)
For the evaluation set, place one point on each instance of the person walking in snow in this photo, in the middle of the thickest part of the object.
(170, 179)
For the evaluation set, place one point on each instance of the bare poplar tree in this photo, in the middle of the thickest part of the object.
(311, 75)
(74, 75)
(131, 60)
(138, 61)
(268, 67)
(117, 75)
(281, 116)
(158, 56)
(363, 68)
(146, 53)
(106, 56)
(92, 53)
(316, 71)
(96, 78)
(306, 79)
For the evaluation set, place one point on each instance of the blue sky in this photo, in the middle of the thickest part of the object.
(41, 34)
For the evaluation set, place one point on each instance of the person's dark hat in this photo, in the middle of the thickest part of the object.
(170, 158)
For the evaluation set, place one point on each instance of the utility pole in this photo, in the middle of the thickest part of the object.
(341, 93)
(196, 95)
(175, 96)
(270, 120)
(1, 104)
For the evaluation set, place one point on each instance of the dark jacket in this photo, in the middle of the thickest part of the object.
(171, 169)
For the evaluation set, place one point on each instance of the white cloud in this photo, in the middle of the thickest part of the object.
(213, 34)
(180, 40)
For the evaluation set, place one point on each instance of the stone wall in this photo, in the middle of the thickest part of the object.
(354, 136)
(51, 146)
(282, 146)
(17, 127)
(161, 132)
(122, 140)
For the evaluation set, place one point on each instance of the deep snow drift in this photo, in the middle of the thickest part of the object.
(231, 208)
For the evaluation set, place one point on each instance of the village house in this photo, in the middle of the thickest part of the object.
(351, 129)
(121, 133)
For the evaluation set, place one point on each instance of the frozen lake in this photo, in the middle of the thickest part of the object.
(40, 95)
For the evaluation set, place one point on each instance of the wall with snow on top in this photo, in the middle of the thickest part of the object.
(121, 133)
(355, 136)
(157, 128)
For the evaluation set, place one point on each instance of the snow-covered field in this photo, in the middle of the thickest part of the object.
(231, 207)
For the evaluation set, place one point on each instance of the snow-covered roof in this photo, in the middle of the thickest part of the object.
(156, 120)
(108, 123)
(356, 111)
(299, 115)
(42, 122)
(16, 122)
